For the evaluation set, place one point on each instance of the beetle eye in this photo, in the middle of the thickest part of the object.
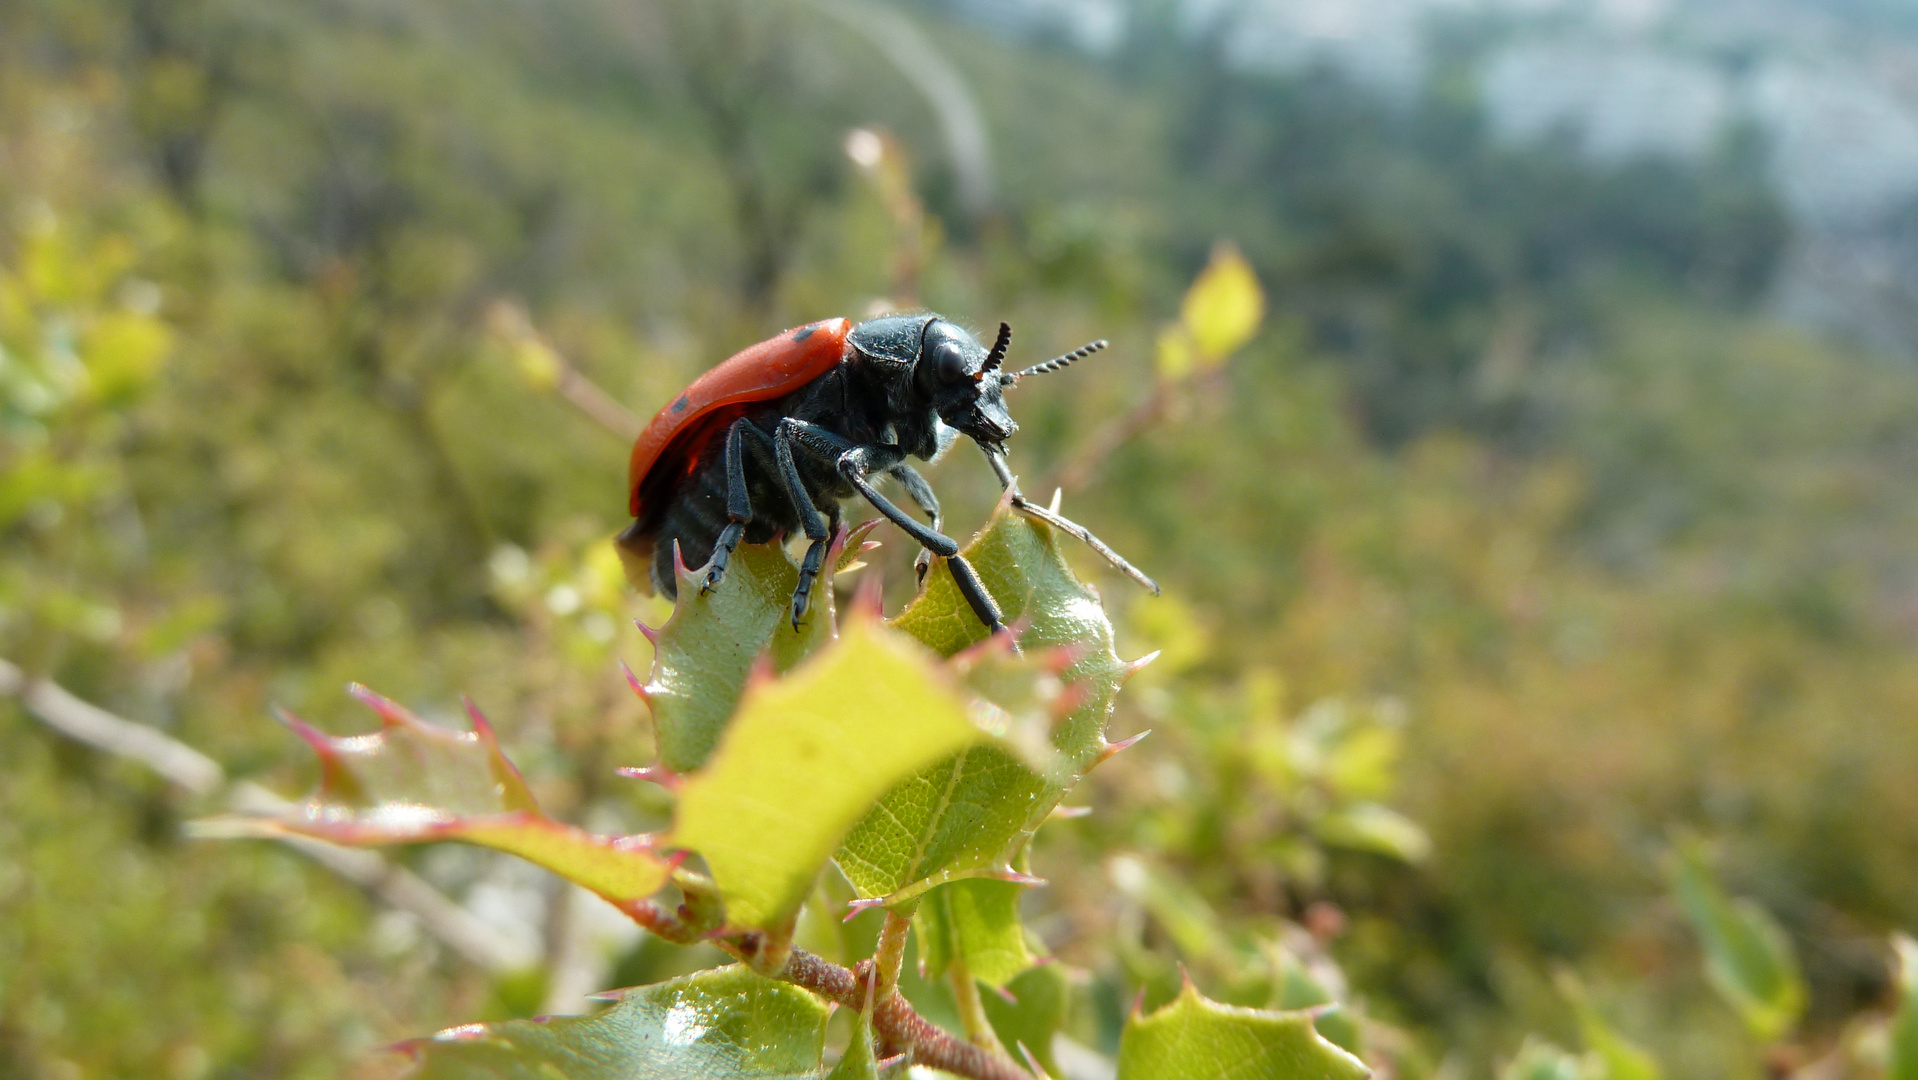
(949, 362)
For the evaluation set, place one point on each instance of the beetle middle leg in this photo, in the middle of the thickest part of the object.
(739, 504)
(817, 526)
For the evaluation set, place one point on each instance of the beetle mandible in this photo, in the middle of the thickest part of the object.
(770, 441)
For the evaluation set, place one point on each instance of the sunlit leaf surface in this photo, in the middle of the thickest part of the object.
(1224, 306)
(726, 1024)
(971, 813)
(704, 653)
(1193, 1038)
(976, 923)
(807, 757)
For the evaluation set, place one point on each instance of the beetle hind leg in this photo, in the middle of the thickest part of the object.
(739, 508)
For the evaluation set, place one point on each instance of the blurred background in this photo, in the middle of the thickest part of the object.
(1561, 510)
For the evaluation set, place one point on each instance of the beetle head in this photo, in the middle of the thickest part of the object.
(947, 368)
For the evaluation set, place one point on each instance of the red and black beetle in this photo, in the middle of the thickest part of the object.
(770, 441)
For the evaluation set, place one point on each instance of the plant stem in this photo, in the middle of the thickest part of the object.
(972, 1011)
(891, 954)
(893, 1019)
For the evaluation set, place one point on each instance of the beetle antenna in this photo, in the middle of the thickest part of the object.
(1056, 362)
(998, 354)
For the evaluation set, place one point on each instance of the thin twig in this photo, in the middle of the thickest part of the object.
(455, 927)
(893, 1019)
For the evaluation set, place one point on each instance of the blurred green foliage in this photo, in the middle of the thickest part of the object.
(1517, 537)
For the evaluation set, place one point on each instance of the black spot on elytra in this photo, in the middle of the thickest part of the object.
(680, 405)
(804, 332)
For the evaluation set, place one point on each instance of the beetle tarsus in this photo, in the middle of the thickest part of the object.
(722, 554)
(981, 601)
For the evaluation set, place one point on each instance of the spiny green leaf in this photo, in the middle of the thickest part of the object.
(1034, 1015)
(1193, 1038)
(806, 757)
(1904, 1026)
(725, 1024)
(413, 782)
(1540, 1060)
(1299, 988)
(969, 815)
(704, 654)
(1748, 959)
(975, 922)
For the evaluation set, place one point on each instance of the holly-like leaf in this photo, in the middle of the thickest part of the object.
(1194, 1038)
(704, 654)
(1298, 987)
(413, 782)
(976, 923)
(1903, 1064)
(970, 814)
(725, 1024)
(1748, 959)
(807, 756)
(1033, 1014)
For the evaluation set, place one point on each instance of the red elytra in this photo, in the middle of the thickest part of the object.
(671, 446)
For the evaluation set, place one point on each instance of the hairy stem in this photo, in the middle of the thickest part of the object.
(894, 1020)
(891, 954)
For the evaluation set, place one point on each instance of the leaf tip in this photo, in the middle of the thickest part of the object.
(653, 774)
(1133, 667)
(391, 713)
(481, 726)
(856, 908)
(1113, 749)
(1013, 877)
(650, 633)
(868, 600)
(680, 574)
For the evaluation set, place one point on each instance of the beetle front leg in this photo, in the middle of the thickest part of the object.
(922, 496)
(854, 465)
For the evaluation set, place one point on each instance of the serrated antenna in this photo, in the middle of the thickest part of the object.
(1056, 362)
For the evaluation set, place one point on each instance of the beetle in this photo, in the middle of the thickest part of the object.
(769, 442)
